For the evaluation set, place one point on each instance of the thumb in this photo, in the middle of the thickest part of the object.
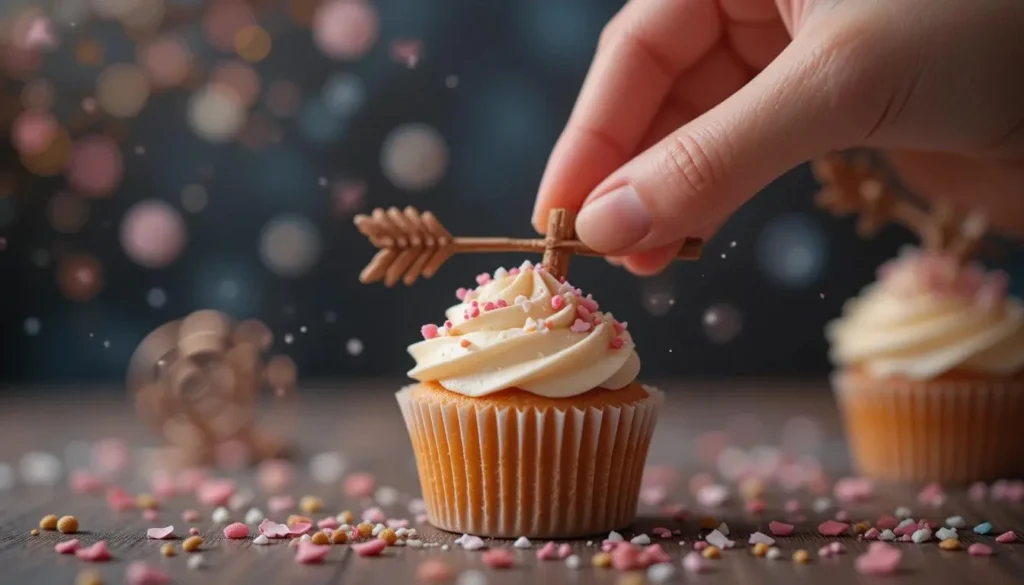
(811, 99)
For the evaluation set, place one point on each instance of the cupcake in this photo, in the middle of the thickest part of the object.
(930, 372)
(527, 419)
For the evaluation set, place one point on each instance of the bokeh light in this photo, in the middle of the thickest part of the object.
(223, 20)
(318, 124)
(237, 79)
(194, 198)
(414, 157)
(79, 276)
(32, 326)
(156, 298)
(283, 99)
(345, 29)
(354, 347)
(408, 52)
(31, 30)
(167, 60)
(89, 52)
(40, 258)
(141, 14)
(253, 43)
(54, 159)
(215, 114)
(153, 234)
(722, 323)
(344, 94)
(122, 90)
(259, 132)
(96, 167)
(67, 213)
(65, 12)
(792, 251)
(348, 197)
(658, 294)
(38, 94)
(290, 245)
(33, 132)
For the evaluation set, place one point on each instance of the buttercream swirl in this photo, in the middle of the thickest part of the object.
(524, 329)
(926, 317)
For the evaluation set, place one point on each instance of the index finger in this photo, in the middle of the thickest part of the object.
(642, 50)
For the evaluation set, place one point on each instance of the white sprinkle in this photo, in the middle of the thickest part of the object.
(590, 543)
(905, 522)
(837, 548)
(413, 543)
(525, 265)
(221, 515)
(694, 563)
(253, 516)
(196, 562)
(520, 299)
(386, 495)
(887, 535)
(399, 543)
(640, 539)
(712, 495)
(572, 562)
(472, 577)
(326, 467)
(401, 532)
(377, 528)
(723, 528)
(523, 542)
(472, 542)
(660, 573)
(261, 540)
(718, 539)
(946, 533)
(903, 512)
(417, 506)
(922, 535)
(773, 553)
(445, 547)
(615, 537)
(345, 527)
(682, 543)
(821, 504)
(306, 538)
(500, 273)
(530, 325)
(955, 522)
(241, 499)
(760, 537)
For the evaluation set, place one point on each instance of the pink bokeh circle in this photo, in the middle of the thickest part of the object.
(97, 166)
(153, 234)
(33, 132)
(344, 29)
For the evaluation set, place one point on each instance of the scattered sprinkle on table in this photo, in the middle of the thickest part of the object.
(48, 522)
(192, 543)
(34, 532)
(499, 558)
(774, 553)
(601, 560)
(141, 573)
(711, 552)
(572, 562)
(221, 515)
(67, 547)
(979, 550)
(160, 533)
(955, 522)
(760, 549)
(1006, 537)
(523, 542)
(89, 578)
(196, 562)
(67, 525)
(983, 528)
(434, 571)
(950, 544)
(802, 557)
(832, 528)
(168, 550)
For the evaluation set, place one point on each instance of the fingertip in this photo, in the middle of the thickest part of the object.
(653, 261)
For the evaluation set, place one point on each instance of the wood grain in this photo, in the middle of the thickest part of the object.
(361, 421)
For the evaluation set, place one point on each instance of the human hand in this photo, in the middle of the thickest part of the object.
(692, 106)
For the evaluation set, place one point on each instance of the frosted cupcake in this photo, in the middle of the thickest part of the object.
(527, 419)
(930, 375)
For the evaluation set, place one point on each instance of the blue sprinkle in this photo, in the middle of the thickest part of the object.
(983, 528)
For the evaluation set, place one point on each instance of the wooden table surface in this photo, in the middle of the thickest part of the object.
(360, 420)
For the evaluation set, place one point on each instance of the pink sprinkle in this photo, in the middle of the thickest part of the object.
(149, 515)
(422, 518)
(84, 482)
(677, 512)
(328, 522)
(215, 492)
(977, 491)
(832, 528)
(931, 494)
(461, 293)
(96, 553)
(564, 551)
(162, 484)
(277, 504)
(434, 571)
(1006, 537)
(871, 534)
(110, 455)
(837, 548)
(881, 559)
(372, 548)
(979, 550)
(582, 312)
(661, 532)
(483, 278)
(557, 302)
(190, 515)
(654, 554)
(843, 516)
(119, 500)
(780, 528)
(548, 552)
(513, 271)
(887, 522)
(272, 529)
(906, 538)
(139, 573)
(792, 506)
(619, 327)
(591, 304)
(824, 552)
(275, 475)
(465, 343)
(498, 558)
(160, 533)
(755, 506)
(359, 485)
(653, 495)
(853, 489)
(626, 557)
(429, 331)
(310, 553)
(699, 545)
(609, 546)
(299, 528)
(68, 547)
(236, 530)
(397, 523)
(489, 306)
(501, 303)
(193, 531)
(579, 326)
(374, 515)
(694, 563)
(616, 343)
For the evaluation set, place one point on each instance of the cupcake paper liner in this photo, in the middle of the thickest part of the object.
(541, 473)
(946, 431)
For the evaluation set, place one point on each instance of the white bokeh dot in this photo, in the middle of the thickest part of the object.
(722, 322)
(156, 298)
(354, 347)
(32, 326)
(290, 245)
(215, 114)
(414, 157)
(791, 251)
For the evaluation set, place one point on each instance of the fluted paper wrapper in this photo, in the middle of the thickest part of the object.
(540, 473)
(947, 431)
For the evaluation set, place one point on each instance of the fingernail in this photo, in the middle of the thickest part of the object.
(614, 221)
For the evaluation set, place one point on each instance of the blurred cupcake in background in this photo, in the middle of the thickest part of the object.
(930, 372)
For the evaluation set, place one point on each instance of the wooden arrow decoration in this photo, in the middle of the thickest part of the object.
(412, 244)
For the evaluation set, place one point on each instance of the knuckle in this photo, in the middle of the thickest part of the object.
(689, 165)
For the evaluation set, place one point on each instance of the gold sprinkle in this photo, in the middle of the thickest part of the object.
(67, 524)
(346, 517)
(752, 489)
(365, 530)
(48, 522)
(89, 578)
(861, 527)
(388, 535)
(168, 550)
(950, 544)
(192, 543)
(311, 504)
(801, 556)
(711, 552)
(632, 578)
(320, 538)
(146, 502)
(760, 549)
(339, 537)
(34, 532)
(601, 560)
(708, 523)
(296, 519)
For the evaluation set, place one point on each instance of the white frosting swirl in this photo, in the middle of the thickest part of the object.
(918, 323)
(525, 329)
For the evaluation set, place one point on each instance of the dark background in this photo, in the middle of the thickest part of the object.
(495, 79)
